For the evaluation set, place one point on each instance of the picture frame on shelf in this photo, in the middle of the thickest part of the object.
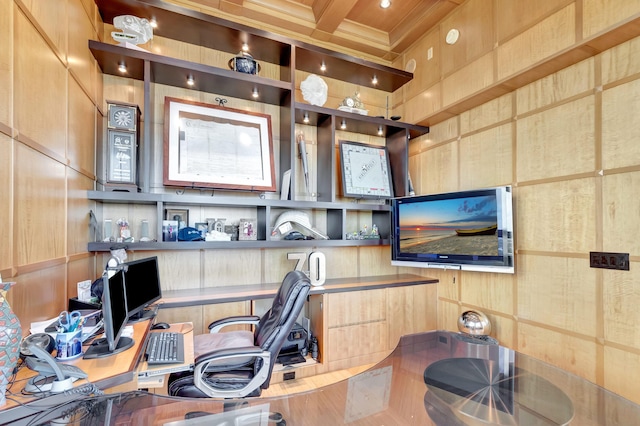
(217, 147)
(169, 230)
(366, 170)
(248, 229)
(179, 215)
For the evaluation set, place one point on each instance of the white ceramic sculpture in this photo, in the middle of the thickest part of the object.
(314, 90)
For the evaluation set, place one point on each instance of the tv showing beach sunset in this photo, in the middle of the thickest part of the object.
(466, 230)
(455, 226)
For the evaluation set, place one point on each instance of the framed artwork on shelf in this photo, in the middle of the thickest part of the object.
(181, 216)
(217, 147)
(366, 170)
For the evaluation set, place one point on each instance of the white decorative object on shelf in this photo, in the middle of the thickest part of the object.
(134, 30)
(353, 104)
(314, 90)
(354, 110)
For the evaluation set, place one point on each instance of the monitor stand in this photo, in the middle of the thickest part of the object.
(100, 348)
(142, 315)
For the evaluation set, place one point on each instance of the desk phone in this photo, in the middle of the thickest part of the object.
(54, 376)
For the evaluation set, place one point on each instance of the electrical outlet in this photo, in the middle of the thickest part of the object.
(618, 261)
(289, 376)
(429, 53)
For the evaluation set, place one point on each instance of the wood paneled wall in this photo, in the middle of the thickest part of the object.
(568, 143)
(49, 92)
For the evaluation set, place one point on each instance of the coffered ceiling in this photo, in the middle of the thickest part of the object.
(355, 26)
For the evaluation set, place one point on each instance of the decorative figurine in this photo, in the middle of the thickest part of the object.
(244, 63)
(134, 30)
(353, 104)
(124, 231)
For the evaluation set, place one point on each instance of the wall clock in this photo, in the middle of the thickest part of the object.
(122, 117)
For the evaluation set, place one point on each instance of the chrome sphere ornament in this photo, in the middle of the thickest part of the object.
(474, 323)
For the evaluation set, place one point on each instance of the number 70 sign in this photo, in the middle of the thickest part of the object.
(317, 266)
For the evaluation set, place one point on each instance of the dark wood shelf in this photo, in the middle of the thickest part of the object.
(233, 245)
(175, 72)
(190, 26)
(357, 123)
(202, 200)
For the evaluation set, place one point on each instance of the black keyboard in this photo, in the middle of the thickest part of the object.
(165, 347)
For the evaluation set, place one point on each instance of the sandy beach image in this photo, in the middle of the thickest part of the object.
(482, 245)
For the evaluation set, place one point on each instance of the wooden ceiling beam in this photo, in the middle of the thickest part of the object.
(333, 13)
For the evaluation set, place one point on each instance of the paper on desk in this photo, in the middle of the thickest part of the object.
(41, 326)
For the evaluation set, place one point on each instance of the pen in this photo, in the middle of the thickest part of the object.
(77, 324)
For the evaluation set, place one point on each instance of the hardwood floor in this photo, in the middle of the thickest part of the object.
(309, 383)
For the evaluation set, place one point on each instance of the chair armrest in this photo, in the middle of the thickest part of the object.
(217, 325)
(202, 362)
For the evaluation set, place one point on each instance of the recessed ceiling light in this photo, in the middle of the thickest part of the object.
(385, 4)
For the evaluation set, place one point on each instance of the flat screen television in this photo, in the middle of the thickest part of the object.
(466, 230)
(143, 287)
(115, 317)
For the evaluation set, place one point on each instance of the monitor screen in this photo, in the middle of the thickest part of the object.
(143, 287)
(115, 317)
(467, 230)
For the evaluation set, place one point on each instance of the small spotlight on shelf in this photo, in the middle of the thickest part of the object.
(323, 67)
(380, 131)
(245, 47)
(305, 119)
(343, 124)
(374, 80)
(255, 93)
(190, 81)
(122, 67)
(153, 23)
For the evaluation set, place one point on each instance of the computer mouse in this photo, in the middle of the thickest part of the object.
(160, 326)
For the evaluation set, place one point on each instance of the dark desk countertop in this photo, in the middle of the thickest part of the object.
(434, 378)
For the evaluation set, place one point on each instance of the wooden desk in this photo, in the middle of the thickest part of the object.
(113, 374)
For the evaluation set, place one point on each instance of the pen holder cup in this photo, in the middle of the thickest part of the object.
(69, 345)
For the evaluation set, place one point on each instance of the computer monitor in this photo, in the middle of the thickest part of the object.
(142, 287)
(115, 317)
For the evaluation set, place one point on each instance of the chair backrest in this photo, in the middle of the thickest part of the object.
(276, 324)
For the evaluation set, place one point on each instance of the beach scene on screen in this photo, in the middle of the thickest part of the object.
(465, 226)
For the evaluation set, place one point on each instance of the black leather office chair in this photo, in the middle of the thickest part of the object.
(236, 364)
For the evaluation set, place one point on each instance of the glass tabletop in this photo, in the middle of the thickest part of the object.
(435, 378)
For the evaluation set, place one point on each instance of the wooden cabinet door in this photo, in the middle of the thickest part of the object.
(410, 310)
